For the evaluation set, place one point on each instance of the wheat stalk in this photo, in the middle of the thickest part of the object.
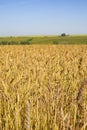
(27, 116)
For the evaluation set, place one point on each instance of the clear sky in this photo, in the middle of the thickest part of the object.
(43, 17)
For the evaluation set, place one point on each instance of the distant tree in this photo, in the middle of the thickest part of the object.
(63, 34)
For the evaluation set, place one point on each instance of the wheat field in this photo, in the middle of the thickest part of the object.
(43, 87)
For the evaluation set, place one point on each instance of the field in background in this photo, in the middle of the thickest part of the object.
(43, 40)
(43, 87)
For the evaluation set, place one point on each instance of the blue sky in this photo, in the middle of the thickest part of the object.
(43, 17)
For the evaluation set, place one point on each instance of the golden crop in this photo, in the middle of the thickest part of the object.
(43, 87)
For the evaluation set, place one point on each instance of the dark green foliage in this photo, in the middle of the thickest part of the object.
(25, 42)
(7, 43)
(55, 42)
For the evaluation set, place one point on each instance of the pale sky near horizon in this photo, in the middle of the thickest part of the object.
(43, 17)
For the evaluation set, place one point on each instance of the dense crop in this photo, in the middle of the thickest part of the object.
(43, 87)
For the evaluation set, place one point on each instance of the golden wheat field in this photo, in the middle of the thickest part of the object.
(43, 87)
